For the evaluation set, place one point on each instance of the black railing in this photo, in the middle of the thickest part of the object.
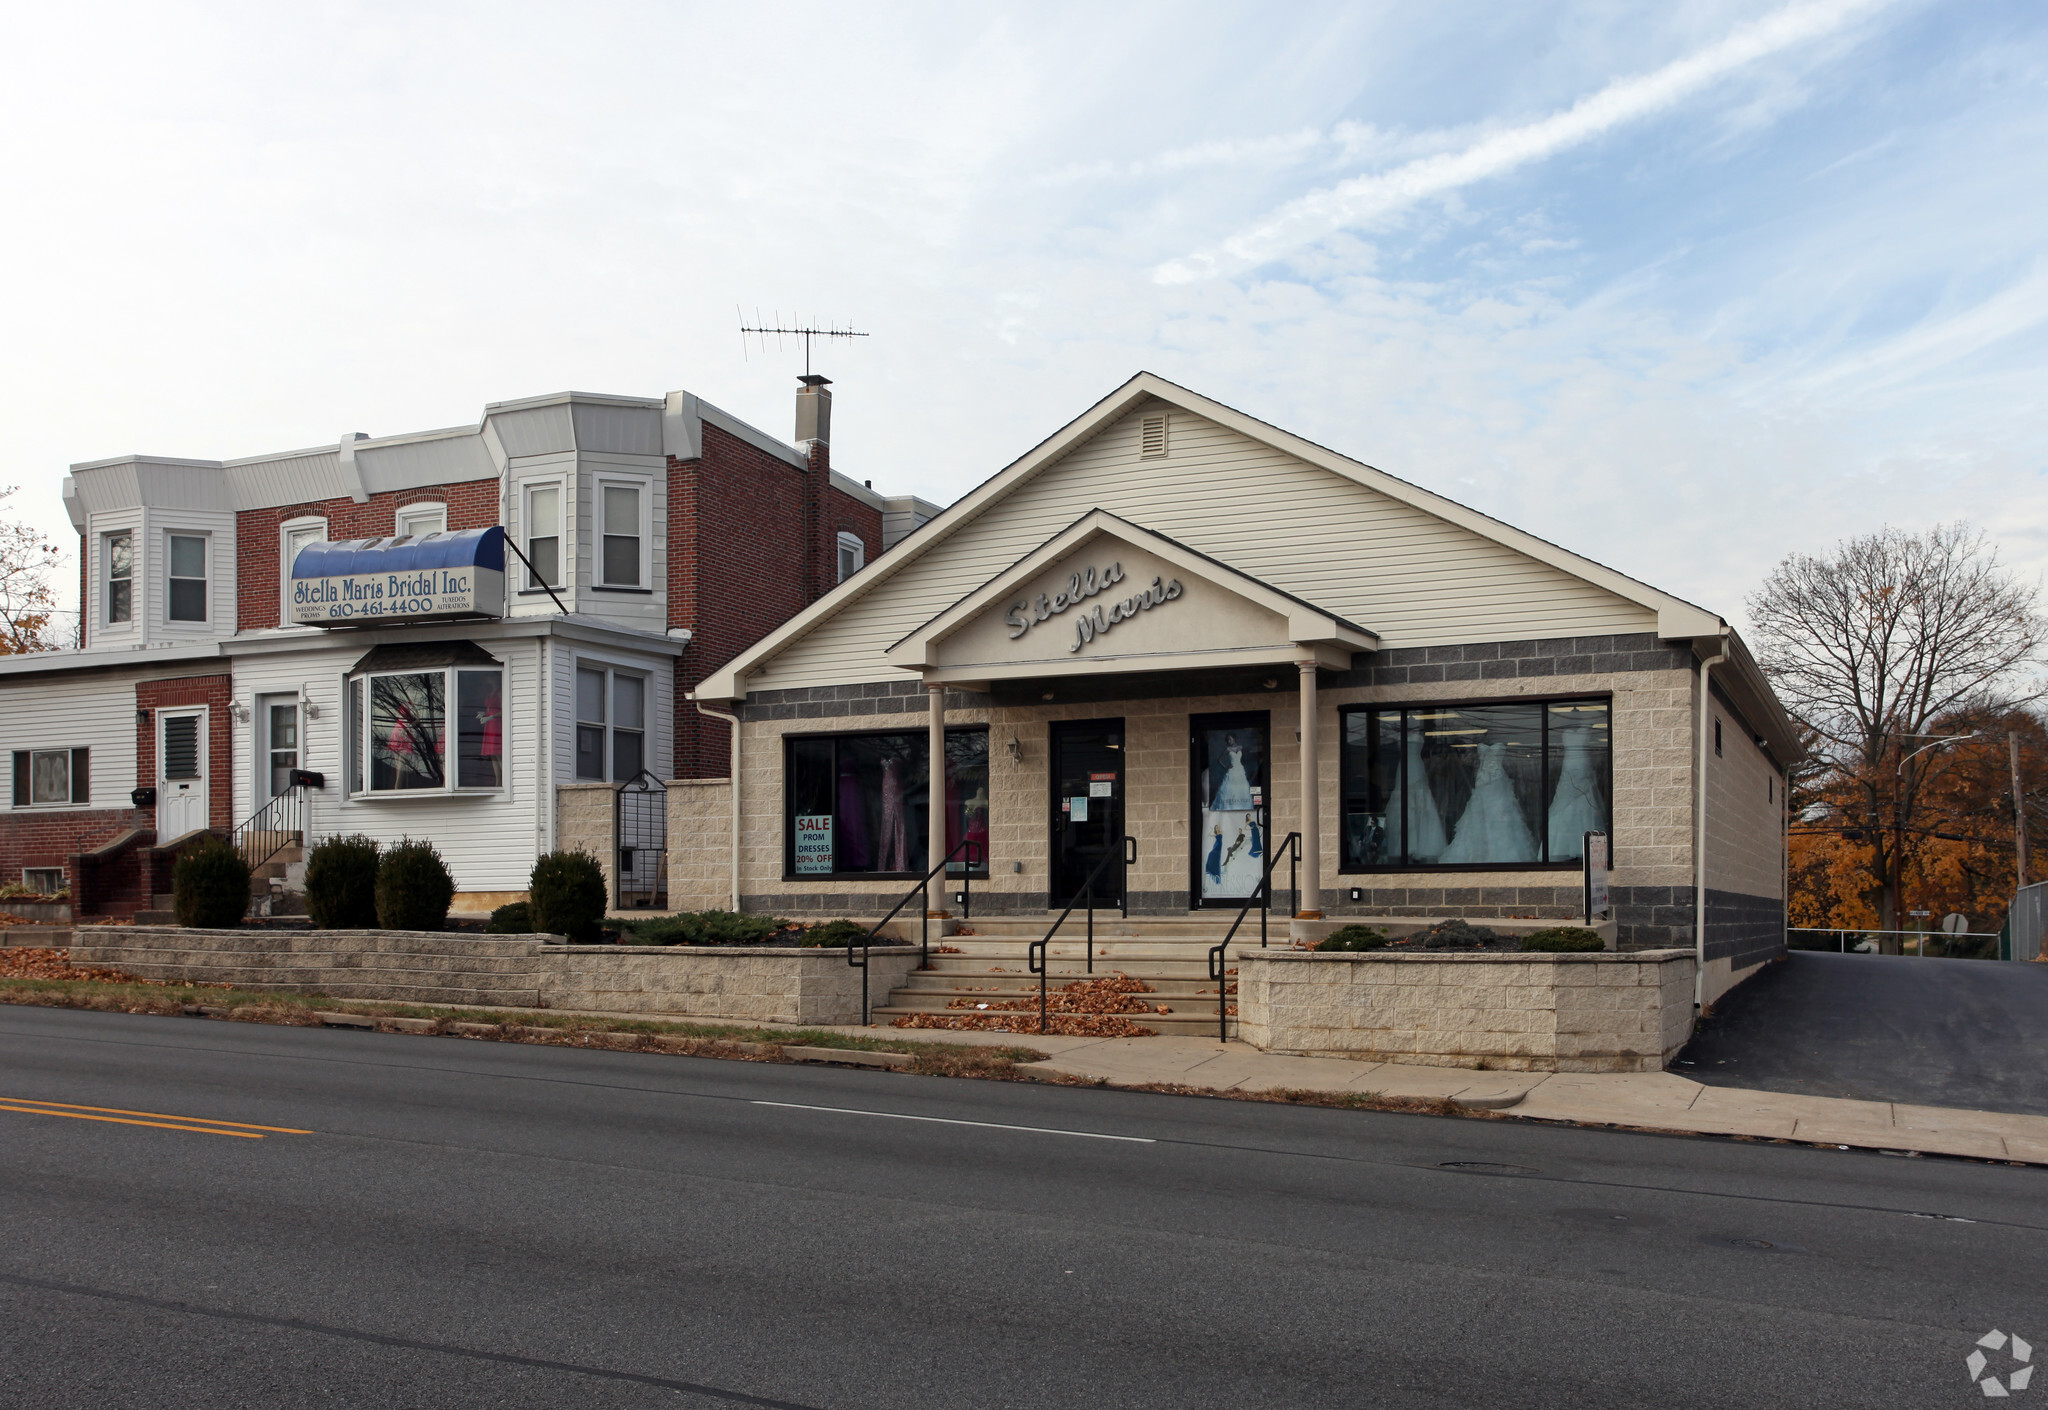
(1035, 956)
(278, 824)
(971, 859)
(1263, 899)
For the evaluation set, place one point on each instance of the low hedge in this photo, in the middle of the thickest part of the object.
(1354, 937)
(568, 896)
(414, 887)
(1564, 939)
(210, 886)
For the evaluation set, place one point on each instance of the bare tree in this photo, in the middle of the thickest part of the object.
(1872, 646)
(28, 604)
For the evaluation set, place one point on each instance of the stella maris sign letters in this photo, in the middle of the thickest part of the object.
(427, 592)
(1096, 621)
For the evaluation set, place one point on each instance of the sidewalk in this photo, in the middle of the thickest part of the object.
(1660, 1101)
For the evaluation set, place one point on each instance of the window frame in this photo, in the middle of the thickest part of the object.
(1542, 703)
(77, 779)
(108, 579)
(609, 724)
(859, 545)
(205, 581)
(285, 531)
(62, 887)
(563, 558)
(359, 771)
(979, 871)
(414, 508)
(643, 488)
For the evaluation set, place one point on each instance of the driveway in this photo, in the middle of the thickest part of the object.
(1955, 1033)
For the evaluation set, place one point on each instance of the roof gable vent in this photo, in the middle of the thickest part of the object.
(1152, 436)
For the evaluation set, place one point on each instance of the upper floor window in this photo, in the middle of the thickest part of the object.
(621, 507)
(120, 561)
(187, 579)
(292, 538)
(416, 520)
(1474, 785)
(853, 555)
(44, 777)
(544, 535)
(611, 724)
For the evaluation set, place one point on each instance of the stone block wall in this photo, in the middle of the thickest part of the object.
(1608, 1012)
(587, 820)
(753, 985)
(699, 844)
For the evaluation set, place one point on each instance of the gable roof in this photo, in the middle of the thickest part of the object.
(1677, 619)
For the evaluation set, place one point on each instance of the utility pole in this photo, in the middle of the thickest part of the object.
(2019, 812)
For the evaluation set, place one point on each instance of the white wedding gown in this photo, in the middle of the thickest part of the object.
(1426, 836)
(1492, 828)
(1575, 808)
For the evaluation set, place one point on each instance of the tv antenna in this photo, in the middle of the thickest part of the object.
(765, 330)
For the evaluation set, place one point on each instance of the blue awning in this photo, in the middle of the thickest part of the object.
(464, 548)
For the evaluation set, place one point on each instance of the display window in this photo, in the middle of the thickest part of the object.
(1516, 784)
(400, 740)
(860, 804)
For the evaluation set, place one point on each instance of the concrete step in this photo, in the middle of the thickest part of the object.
(1165, 1025)
(1194, 923)
(966, 981)
(157, 916)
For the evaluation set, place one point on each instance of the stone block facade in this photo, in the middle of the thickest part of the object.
(748, 984)
(587, 820)
(1512, 1012)
(699, 844)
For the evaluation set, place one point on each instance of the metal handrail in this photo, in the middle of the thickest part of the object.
(923, 888)
(273, 820)
(1035, 954)
(1291, 845)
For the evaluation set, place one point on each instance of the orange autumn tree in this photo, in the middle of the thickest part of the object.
(1891, 649)
(28, 605)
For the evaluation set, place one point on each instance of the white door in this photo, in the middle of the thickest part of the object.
(180, 772)
(277, 745)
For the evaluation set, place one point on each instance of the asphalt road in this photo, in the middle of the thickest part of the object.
(1958, 1033)
(478, 1224)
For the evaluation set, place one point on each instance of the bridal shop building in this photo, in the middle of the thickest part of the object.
(1175, 629)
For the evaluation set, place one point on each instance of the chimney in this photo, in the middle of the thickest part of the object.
(813, 410)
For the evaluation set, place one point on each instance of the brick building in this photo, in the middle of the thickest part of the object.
(639, 544)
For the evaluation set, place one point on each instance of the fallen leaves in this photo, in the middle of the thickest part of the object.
(27, 963)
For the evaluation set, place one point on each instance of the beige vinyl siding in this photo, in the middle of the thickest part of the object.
(1393, 569)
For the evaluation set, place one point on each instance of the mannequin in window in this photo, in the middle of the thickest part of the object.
(1575, 808)
(895, 834)
(492, 719)
(1492, 828)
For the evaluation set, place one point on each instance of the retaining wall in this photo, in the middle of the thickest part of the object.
(1599, 1012)
(757, 985)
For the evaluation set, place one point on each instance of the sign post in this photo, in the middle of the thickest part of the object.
(1594, 862)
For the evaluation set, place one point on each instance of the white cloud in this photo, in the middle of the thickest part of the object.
(1365, 199)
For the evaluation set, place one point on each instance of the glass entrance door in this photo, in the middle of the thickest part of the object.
(1228, 805)
(1087, 808)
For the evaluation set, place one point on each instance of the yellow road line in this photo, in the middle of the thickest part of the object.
(130, 1121)
(62, 1107)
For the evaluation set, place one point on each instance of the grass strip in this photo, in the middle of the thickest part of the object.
(619, 1034)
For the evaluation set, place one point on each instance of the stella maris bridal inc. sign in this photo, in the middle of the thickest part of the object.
(375, 580)
(1095, 621)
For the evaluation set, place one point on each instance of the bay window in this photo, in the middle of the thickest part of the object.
(611, 724)
(120, 561)
(1445, 786)
(620, 534)
(860, 805)
(544, 536)
(399, 737)
(187, 578)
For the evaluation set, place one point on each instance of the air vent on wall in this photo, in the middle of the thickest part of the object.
(1152, 436)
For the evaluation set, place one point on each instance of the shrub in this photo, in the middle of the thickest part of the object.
(1354, 937)
(1455, 935)
(210, 885)
(844, 933)
(568, 895)
(1564, 938)
(707, 928)
(413, 887)
(515, 919)
(341, 884)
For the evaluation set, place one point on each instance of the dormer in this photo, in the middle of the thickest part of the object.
(159, 540)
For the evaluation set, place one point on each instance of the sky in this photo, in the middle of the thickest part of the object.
(1685, 288)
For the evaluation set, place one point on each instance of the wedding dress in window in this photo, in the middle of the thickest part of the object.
(1575, 808)
(1492, 828)
(1426, 837)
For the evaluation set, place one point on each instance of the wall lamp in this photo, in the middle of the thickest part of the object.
(1016, 748)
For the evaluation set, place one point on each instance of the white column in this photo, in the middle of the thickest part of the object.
(1311, 801)
(935, 790)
